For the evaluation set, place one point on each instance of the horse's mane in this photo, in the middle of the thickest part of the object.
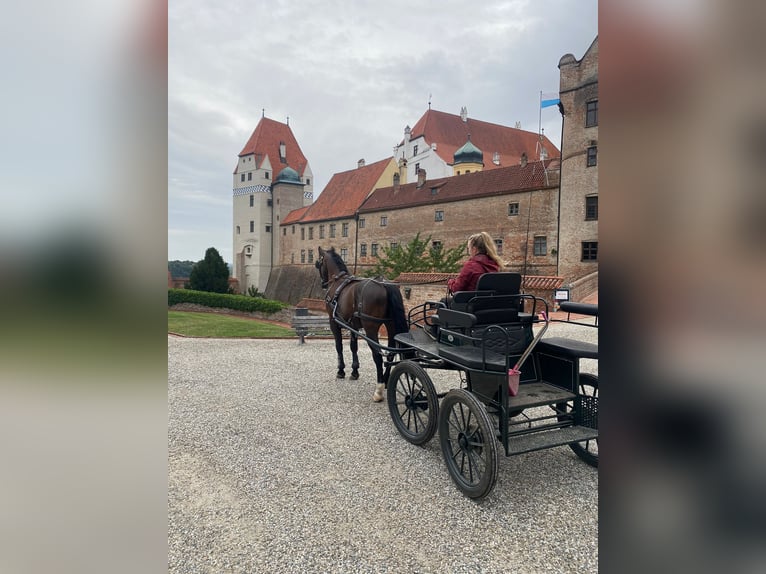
(338, 261)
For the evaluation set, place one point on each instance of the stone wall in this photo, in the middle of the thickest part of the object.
(578, 86)
(291, 283)
(580, 289)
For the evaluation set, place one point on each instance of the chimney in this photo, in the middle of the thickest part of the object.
(464, 114)
(360, 163)
(407, 132)
(396, 182)
(421, 178)
(524, 159)
(402, 170)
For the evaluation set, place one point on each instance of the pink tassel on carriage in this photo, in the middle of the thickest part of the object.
(513, 381)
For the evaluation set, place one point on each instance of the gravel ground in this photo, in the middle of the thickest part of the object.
(276, 466)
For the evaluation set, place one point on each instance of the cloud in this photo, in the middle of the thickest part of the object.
(351, 76)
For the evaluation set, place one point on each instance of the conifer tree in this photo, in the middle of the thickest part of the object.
(210, 274)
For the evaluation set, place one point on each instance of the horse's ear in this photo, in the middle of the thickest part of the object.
(321, 251)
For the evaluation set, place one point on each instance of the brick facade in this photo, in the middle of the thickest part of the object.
(578, 88)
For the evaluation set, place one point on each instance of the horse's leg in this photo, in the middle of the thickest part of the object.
(354, 344)
(336, 333)
(390, 329)
(380, 387)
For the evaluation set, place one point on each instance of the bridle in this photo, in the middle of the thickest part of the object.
(322, 271)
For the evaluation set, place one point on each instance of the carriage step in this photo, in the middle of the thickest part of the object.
(549, 438)
(538, 394)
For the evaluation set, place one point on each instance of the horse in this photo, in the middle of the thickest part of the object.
(362, 304)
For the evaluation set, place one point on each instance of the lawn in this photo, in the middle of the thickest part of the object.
(194, 324)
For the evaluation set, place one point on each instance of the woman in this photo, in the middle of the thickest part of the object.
(483, 259)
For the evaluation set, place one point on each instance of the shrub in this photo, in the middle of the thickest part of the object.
(253, 291)
(224, 301)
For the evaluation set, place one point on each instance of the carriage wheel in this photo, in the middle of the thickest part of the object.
(468, 443)
(412, 402)
(586, 450)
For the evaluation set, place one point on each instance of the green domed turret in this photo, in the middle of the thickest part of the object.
(288, 175)
(469, 153)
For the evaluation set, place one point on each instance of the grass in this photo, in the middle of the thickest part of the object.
(194, 324)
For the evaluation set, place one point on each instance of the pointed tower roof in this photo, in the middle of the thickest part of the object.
(265, 142)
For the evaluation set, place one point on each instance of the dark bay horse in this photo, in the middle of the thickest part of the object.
(363, 304)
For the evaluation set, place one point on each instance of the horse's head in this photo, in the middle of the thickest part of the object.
(330, 266)
(321, 265)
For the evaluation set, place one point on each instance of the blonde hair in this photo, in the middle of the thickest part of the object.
(486, 245)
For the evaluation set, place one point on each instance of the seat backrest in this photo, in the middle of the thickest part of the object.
(502, 283)
(494, 309)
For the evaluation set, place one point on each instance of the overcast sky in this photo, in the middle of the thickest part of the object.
(350, 76)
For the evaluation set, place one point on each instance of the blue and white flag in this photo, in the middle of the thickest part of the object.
(549, 99)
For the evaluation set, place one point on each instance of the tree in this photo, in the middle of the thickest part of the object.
(417, 256)
(210, 274)
(180, 269)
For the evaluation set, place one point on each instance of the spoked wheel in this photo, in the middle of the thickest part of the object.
(468, 443)
(586, 450)
(412, 402)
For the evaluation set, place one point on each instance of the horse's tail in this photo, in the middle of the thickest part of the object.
(396, 308)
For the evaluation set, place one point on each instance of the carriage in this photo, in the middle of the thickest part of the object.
(519, 389)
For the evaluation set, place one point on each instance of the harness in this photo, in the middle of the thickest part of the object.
(346, 280)
(333, 300)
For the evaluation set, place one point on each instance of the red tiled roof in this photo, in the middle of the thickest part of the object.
(295, 215)
(345, 192)
(542, 282)
(421, 278)
(449, 132)
(265, 142)
(460, 187)
(529, 281)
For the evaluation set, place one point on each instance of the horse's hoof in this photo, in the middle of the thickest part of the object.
(341, 376)
(354, 376)
(380, 389)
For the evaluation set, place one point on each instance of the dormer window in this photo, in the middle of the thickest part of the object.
(282, 152)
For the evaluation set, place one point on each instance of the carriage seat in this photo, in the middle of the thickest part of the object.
(489, 284)
(569, 348)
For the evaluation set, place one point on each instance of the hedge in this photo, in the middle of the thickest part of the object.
(224, 300)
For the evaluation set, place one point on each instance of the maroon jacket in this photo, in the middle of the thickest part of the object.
(474, 268)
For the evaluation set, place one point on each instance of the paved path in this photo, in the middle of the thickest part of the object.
(275, 466)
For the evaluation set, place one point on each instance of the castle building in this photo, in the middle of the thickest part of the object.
(515, 204)
(332, 219)
(431, 144)
(272, 179)
(578, 236)
(450, 177)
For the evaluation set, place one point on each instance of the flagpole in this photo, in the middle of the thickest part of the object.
(540, 115)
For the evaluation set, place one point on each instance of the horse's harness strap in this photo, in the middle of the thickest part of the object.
(333, 300)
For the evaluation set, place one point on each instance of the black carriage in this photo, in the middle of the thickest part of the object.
(520, 389)
(508, 372)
